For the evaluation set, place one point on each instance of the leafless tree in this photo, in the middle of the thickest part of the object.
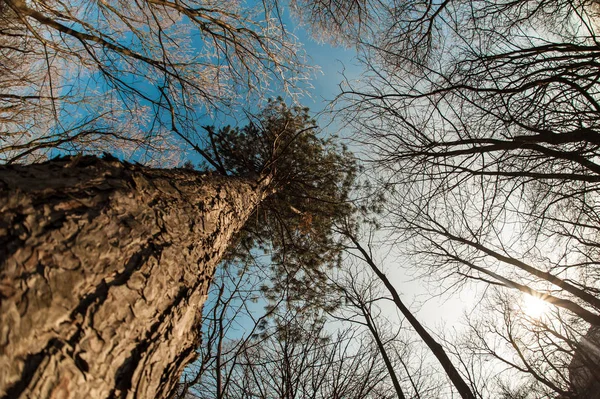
(365, 254)
(298, 352)
(408, 363)
(534, 353)
(293, 355)
(134, 76)
(302, 360)
(232, 316)
(484, 139)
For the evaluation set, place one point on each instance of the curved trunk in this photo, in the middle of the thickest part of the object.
(104, 267)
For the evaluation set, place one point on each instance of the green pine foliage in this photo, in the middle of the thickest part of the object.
(311, 180)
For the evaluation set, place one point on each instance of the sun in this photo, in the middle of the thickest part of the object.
(534, 306)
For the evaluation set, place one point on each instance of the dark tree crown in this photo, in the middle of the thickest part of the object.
(311, 179)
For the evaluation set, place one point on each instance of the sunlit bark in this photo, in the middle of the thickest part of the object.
(104, 270)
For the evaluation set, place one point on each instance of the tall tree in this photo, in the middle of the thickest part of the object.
(481, 120)
(437, 350)
(105, 265)
(406, 359)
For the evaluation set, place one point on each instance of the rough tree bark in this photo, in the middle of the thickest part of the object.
(104, 267)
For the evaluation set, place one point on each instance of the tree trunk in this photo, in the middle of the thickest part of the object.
(104, 268)
(438, 351)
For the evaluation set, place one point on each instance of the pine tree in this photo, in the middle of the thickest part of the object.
(105, 265)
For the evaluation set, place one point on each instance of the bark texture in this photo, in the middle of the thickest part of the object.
(104, 267)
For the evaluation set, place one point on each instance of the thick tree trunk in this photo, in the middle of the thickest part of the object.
(104, 268)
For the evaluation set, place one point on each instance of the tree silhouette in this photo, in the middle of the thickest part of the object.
(137, 77)
(481, 123)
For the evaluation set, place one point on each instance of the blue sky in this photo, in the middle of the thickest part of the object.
(443, 310)
(332, 61)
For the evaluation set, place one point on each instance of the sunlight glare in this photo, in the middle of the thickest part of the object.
(534, 306)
